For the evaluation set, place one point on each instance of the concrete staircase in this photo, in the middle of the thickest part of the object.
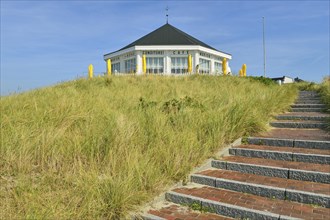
(281, 174)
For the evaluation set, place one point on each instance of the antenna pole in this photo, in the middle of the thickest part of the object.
(166, 14)
(263, 37)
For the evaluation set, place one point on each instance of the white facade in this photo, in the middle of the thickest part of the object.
(283, 80)
(287, 80)
(167, 59)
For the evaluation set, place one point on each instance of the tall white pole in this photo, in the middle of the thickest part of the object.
(263, 37)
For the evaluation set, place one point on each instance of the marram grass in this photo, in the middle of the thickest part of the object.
(99, 148)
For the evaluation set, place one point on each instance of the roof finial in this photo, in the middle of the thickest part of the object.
(166, 14)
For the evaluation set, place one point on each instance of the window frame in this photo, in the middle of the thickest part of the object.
(130, 65)
(203, 68)
(155, 65)
(179, 65)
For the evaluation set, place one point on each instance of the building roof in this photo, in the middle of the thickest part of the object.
(167, 35)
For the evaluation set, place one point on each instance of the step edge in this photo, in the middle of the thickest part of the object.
(308, 193)
(314, 155)
(263, 186)
(239, 182)
(285, 114)
(310, 108)
(230, 206)
(289, 140)
(273, 167)
(279, 141)
(309, 105)
(254, 165)
(305, 119)
(284, 152)
(148, 216)
(309, 171)
(298, 122)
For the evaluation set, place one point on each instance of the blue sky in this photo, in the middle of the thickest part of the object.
(46, 42)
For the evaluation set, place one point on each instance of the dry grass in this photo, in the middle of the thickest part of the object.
(98, 148)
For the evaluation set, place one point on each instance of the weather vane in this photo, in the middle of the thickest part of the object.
(166, 14)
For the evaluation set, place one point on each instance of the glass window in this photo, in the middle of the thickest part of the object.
(130, 66)
(155, 65)
(204, 66)
(179, 65)
(217, 67)
(115, 67)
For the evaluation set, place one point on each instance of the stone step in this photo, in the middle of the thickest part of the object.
(307, 110)
(307, 91)
(308, 101)
(312, 144)
(308, 94)
(308, 97)
(297, 134)
(244, 206)
(175, 212)
(297, 150)
(282, 153)
(298, 124)
(308, 106)
(303, 116)
(275, 168)
(271, 187)
(283, 174)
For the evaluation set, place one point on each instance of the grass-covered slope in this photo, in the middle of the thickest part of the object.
(98, 148)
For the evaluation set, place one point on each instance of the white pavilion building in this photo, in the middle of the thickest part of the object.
(166, 51)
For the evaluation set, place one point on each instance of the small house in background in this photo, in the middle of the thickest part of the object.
(283, 80)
